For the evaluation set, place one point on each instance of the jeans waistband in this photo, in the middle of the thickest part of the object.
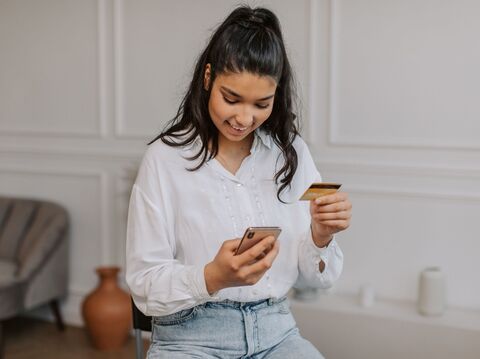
(256, 304)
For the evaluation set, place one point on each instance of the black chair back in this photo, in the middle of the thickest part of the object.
(140, 320)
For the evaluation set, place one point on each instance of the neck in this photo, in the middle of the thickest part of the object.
(235, 149)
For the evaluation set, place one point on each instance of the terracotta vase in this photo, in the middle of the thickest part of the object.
(107, 311)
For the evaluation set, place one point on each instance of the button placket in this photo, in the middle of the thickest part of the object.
(229, 207)
(256, 195)
(228, 194)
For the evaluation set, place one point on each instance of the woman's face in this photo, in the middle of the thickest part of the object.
(239, 103)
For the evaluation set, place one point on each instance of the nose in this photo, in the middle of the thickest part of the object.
(244, 118)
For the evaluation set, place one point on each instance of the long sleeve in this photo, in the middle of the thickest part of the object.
(309, 257)
(159, 284)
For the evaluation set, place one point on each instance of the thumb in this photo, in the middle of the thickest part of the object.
(231, 244)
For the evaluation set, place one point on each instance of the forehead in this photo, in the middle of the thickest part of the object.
(246, 84)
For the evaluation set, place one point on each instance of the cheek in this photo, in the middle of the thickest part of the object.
(218, 109)
(264, 116)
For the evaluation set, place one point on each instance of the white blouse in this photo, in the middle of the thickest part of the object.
(178, 219)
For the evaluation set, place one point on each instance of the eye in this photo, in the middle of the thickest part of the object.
(262, 106)
(229, 101)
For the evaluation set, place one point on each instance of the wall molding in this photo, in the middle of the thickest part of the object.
(335, 138)
(400, 170)
(119, 68)
(119, 74)
(127, 154)
(52, 171)
(424, 174)
(107, 202)
(102, 45)
(106, 229)
(313, 58)
(102, 105)
(105, 205)
(409, 194)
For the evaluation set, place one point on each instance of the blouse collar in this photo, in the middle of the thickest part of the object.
(261, 136)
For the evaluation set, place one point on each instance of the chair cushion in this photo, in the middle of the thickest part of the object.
(8, 271)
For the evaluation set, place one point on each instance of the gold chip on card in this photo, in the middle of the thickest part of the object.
(319, 189)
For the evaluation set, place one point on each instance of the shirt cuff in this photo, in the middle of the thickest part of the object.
(198, 285)
(320, 250)
(321, 253)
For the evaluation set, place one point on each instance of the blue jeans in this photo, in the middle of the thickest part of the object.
(228, 329)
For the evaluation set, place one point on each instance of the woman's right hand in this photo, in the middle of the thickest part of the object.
(230, 270)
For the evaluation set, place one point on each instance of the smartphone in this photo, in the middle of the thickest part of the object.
(253, 235)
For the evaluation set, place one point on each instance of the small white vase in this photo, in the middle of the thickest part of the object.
(431, 292)
(366, 296)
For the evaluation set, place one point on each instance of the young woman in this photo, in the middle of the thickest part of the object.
(230, 159)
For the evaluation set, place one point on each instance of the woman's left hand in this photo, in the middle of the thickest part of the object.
(330, 214)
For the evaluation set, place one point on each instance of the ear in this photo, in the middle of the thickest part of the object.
(206, 78)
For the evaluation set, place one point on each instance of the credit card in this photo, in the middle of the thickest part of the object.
(319, 189)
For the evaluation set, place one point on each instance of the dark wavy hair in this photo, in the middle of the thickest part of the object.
(249, 39)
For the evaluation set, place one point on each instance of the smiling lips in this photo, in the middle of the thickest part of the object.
(238, 129)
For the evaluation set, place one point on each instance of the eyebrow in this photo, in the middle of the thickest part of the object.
(230, 92)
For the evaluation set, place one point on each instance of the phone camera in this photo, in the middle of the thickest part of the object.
(250, 235)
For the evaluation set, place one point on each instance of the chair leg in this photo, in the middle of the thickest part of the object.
(56, 313)
(138, 344)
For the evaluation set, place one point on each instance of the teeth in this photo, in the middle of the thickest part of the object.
(237, 128)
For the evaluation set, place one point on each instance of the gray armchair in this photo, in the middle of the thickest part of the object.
(33, 256)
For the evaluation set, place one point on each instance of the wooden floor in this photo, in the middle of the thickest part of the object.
(27, 338)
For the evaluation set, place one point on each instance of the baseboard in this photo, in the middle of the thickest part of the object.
(71, 312)
(69, 307)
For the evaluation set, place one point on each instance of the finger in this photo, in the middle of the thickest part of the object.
(261, 256)
(264, 253)
(332, 208)
(339, 224)
(231, 244)
(251, 254)
(332, 216)
(331, 198)
(265, 263)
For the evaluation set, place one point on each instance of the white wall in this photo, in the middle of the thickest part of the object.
(389, 90)
(84, 85)
(396, 94)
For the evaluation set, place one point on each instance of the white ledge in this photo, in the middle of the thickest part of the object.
(460, 318)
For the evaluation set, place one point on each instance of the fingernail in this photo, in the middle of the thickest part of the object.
(318, 200)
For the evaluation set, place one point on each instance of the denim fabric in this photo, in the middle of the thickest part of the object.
(228, 329)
